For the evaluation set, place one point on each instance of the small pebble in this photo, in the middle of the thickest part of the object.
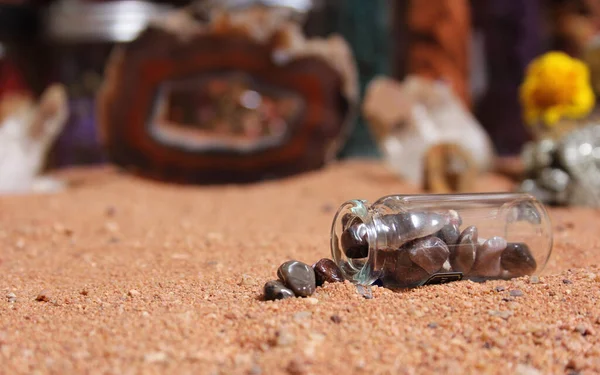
(409, 226)
(429, 253)
(336, 319)
(462, 255)
(284, 338)
(296, 367)
(518, 260)
(449, 234)
(516, 293)
(354, 241)
(502, 314)
(301, 315)
(398, 270)
(155, 357)
(11, 297)
(327, 271)
(255, 370)
(43, 296)
(298, 276)
(583, 330)
(500, 288)
(534, 280)
(432, 325)
(487, 259)
(567, 281)
(133, 293)
(275, 290)
(523, 369)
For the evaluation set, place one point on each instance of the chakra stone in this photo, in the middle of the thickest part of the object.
(398, 270)
(449, 234)
(429, 253)
(327, 271)
(462, 255)
(275, 289)
(487, 261)
(446, 267)
(298, 276)
(455, 218)
(518, 260)
(354, 241)
(407, 226)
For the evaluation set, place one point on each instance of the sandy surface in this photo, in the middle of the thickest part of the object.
(141, 277)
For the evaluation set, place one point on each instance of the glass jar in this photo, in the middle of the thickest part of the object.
(407, 241)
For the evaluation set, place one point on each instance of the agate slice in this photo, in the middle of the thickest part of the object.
(227, 97)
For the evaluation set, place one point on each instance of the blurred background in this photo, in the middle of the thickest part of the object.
(69, 41)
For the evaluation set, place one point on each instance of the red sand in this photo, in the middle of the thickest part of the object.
(141, 277)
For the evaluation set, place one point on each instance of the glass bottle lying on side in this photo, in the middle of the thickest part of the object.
(412, 240)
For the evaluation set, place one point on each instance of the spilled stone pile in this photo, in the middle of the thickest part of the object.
(297, 279)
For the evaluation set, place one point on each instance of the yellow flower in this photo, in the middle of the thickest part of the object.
(556, 86)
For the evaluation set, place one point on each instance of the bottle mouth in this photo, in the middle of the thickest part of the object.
(351, 241)
(522, 214)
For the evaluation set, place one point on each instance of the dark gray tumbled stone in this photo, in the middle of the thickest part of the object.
(327, 271)
(275, 289)
(354, 241)
(462, 255)
(429, 253)
(449, 234)
(407, 226)
(518, 260)
(487, 261)
(455, 218)
(298, 276)
(398, 270)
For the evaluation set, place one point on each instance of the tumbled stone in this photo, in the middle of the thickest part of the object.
(327, 271)
(275, 289)
(354, 241)
(446, 267)
(455, 218)
(487, 260)
(518, 260)
(399, 229)
(398, 270)
(462, 255)
(449, 234)
(298, 276)
(429, 253)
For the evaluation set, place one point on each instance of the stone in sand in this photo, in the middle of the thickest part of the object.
(275, 289)
(327, 271)
(487, 261)
(462, 255)
(518, 260)
(298, 276)
(429, 253)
